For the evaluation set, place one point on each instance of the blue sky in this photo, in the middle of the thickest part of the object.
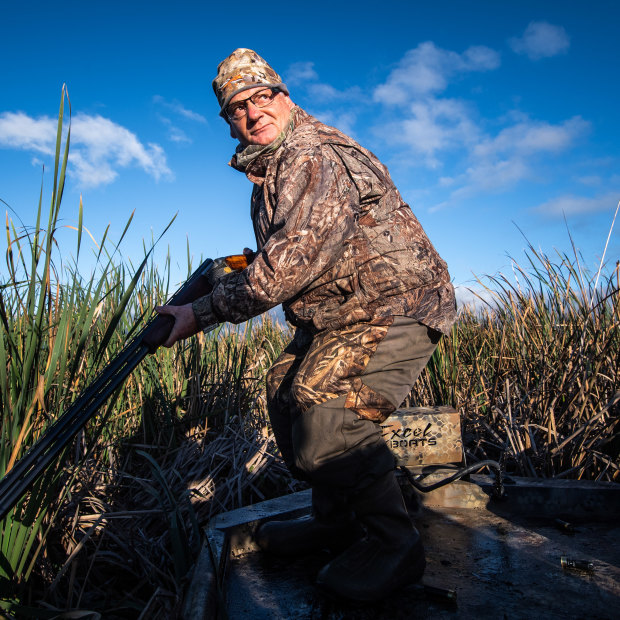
(496, 119)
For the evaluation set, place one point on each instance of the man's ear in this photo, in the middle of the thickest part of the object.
(233, 133)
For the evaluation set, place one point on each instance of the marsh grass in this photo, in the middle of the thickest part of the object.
(535, 373)
(115, 525)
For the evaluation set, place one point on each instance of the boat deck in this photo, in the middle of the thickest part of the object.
(485, 559)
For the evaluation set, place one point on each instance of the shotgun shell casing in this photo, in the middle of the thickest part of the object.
(440, 594)
(564, 526)
(580, 565)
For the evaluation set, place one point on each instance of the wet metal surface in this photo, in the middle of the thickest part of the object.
(500, 567)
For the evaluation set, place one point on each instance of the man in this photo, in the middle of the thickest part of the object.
(370, 298)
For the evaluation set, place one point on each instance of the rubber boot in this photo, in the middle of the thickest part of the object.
(331, 526)
(391, 556)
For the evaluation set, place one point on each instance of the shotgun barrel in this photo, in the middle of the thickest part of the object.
(18, 480)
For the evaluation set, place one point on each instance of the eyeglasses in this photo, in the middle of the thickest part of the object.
(236, 111)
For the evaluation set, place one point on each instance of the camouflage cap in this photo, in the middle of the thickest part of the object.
(242, 70)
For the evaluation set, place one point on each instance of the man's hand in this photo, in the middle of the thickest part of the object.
(185, 324)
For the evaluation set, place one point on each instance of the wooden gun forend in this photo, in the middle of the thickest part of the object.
(199, 284)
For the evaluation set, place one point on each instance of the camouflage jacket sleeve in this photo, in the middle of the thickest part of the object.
(315, 207)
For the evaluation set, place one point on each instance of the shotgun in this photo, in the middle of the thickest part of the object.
(18, 480)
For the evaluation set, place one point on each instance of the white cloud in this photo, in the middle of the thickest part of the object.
(302, 77)
(528, 137)
(570, 204)
(178, 135)
(325, 92)
(175, 134)
(438, 125)
(436, 129)
(300, 72)
(99, 147)
(492, 175)
(178, 108)
(484, 177)
(344, 121)
(432, 126)
(541, 40)
(427, 68)
(590, 180)
(446, 181)
(18, 130)
(498, 163)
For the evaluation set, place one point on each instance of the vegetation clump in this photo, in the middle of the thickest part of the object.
(114, 525)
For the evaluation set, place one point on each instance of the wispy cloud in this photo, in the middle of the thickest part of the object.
(303, 76)
(300, 72)
(592, 180)
(491, 175)
(498, 163)
(541, 40)
(493, 155)
(427, 69)
(175, 134)
(530, 136)
(432, 125)
(99, 147)
(570, 204)
(345, 121)
(178, 108)
(332, 106)
(429, 123)
(18, 130)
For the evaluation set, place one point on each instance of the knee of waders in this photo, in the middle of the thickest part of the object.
(333, 445)
(319, 436)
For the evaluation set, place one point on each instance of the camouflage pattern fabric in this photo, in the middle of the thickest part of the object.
(336, 243)
(328, 394)
(324, 367)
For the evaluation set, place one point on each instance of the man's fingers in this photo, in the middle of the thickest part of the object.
(185, 324)
(173, 312)
(170, 341)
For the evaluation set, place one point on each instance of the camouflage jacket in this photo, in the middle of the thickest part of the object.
(336, 243)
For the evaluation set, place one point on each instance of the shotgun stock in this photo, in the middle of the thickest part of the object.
(18, 480)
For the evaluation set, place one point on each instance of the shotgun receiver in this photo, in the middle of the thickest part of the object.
(25, 472)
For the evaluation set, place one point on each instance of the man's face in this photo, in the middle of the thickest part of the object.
(260, 125)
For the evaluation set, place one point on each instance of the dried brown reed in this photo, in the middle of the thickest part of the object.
(535, 375)
(536, 372)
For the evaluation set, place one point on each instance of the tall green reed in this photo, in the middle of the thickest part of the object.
(56, 335)
(59, 330)
(535, 376)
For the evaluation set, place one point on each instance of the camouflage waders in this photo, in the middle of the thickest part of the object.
(328, 393)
